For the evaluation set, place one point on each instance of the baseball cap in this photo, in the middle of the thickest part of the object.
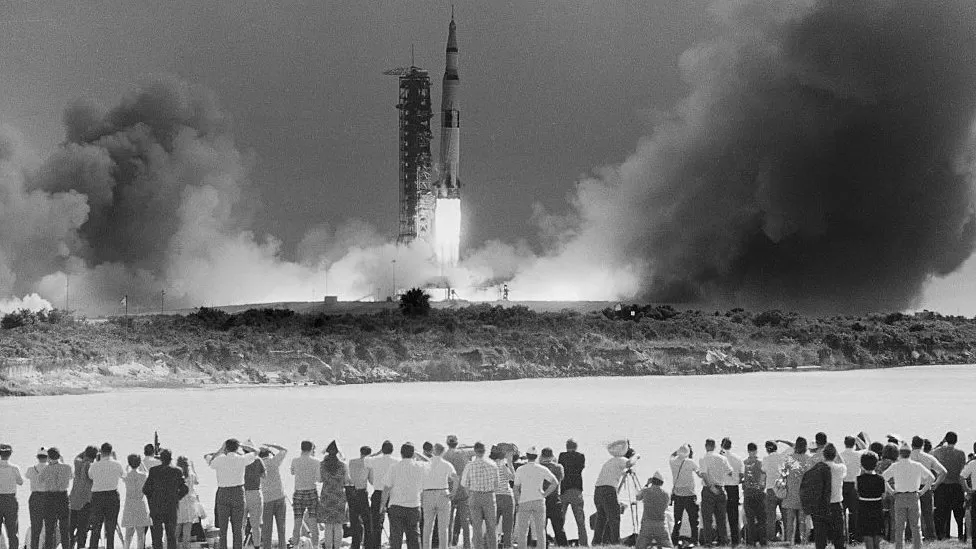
(42, 451)
(532, 451)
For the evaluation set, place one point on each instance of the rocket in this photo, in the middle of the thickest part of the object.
(448, 185)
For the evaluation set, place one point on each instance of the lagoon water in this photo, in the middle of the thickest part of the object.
(656, 413)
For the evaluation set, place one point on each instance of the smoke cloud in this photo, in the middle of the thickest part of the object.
(823, 161)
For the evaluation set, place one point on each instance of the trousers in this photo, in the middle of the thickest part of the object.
(685, 505)
(484, 517)
(275, 512)
(732, 511)
(36, 505)
(714, 511)
(949, 501)
(254, 512)
(376, 500)
(830, 525)
(360, 519)
(573, 497)
(229, 507)
(793, 520)
(755, 507)
(104, 514)
(554, 515)
(163, 522)
(79, 521)
(8, 519)
(404, 521)
(653, 530)
(606, 531)
(773, 503)
(851, 503)
(505, 503)
(56, 519)
(906, 509)
(533, 512)
(436, 508)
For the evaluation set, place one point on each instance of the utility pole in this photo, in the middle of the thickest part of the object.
(394, 280)
(162, 302)
(67, 279)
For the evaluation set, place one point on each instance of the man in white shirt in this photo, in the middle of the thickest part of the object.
(378, 466)
(10, 480)
(714, 470)
(968, 473)
(105, 473)
(920, 455)
(683, 493)
(851, 457)
(607, 524)
(903, 478)
(831, 525)
(36, 503)
(531, 497)
(439, 481)
(731, 485)
(401, 498)
(229, 464)
(305, 498)
(771, 465)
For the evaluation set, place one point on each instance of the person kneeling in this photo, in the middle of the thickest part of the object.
(653, 525)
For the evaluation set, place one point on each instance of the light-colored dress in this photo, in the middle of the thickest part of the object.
(187, 512)
(135, 513)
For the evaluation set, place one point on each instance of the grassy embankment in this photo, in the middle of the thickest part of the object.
(473, 343)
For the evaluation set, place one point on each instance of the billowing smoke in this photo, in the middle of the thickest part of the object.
(822, 161)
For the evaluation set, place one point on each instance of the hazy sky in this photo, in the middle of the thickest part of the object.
(550, 90)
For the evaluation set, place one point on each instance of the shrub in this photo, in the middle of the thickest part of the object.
(415, 302)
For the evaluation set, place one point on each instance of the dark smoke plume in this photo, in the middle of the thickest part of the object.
(823, 160)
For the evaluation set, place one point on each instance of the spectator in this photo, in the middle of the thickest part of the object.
(379, 466)
(795, 520)
(754, 491)
(10, 480)
(79, 499)
(56, 477)
(714, 470)
(357, 496)
(533, 484)
(106, 473)
(135, 513)
(505, 496)
(831, 524)
(731, 486)
(480, 479)
(927, 499)
(229, 463)
(254, 474)
(607, 527)
(436, 498)
(905, 476)
(459, 457)
(851, 457)
(653, 525)
(949, 500)
(870, 492)
(683, 470)
(553, 505)
(401, 498)
(37, 502)
(186, 513)
(332, 501)
(305, 498)
(571, 488)
(164, 488)
(771, 464)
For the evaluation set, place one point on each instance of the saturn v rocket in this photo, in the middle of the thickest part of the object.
(447, 212)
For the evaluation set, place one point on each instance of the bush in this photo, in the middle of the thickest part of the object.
(16, 319)
(415, 302)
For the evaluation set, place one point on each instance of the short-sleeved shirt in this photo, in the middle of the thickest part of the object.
(359, 473)
(735, 462)
(106, 474)
(715, 467)
(683, 471)
(405, 481)
(531, 478)
(307, 472)
(771, 466)
(852, 459)
(953, 459)
(271, 488)
(481, 475)
(908, 475)
(10, 477)
(230, 468)
(573, 464)
(438, 474)
(379, 467)
(752, 476)
(33, 474)
(656, 502)
(458, 458)
(838, 472)
(611, 472)
(969, 473)
(253, 474)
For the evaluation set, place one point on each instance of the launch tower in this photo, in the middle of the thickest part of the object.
(417, 199)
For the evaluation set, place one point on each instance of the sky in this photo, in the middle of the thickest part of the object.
(550, 91)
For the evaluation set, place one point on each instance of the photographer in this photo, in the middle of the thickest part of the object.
(684, 497)
(606, 531)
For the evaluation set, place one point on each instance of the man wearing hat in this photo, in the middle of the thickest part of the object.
(38, 493)
(10, 479)
(653, 525)
(533, 484)
(683, 470)
(905, 476)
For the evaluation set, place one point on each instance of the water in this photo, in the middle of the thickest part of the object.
(656, 413)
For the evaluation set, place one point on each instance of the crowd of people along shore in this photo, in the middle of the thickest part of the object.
(476, 497)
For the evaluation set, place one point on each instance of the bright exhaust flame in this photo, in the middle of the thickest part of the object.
(447, 231)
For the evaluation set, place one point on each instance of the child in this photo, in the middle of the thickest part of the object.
(870, 493)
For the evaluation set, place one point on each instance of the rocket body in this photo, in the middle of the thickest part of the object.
(447, 210)
(448, 186)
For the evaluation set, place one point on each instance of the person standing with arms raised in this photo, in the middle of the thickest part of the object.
(683, 471)
(79, 499)
(229, 463)
(56, 477)
(10, 480)
(164, 488)
(275, 506)
(37, 502)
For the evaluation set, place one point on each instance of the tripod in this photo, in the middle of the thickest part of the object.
(630, 486)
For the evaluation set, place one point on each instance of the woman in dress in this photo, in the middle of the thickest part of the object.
(795, 520)
(186, 515)
(135, 514)
(870, 493)
(332, 502)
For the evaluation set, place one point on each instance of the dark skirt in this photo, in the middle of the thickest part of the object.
(870, 518)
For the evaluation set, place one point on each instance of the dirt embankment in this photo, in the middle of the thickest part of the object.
(273, 346)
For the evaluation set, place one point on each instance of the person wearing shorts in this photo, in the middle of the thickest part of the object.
(305, 500)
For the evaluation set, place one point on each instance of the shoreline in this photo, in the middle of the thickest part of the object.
(89, 380)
